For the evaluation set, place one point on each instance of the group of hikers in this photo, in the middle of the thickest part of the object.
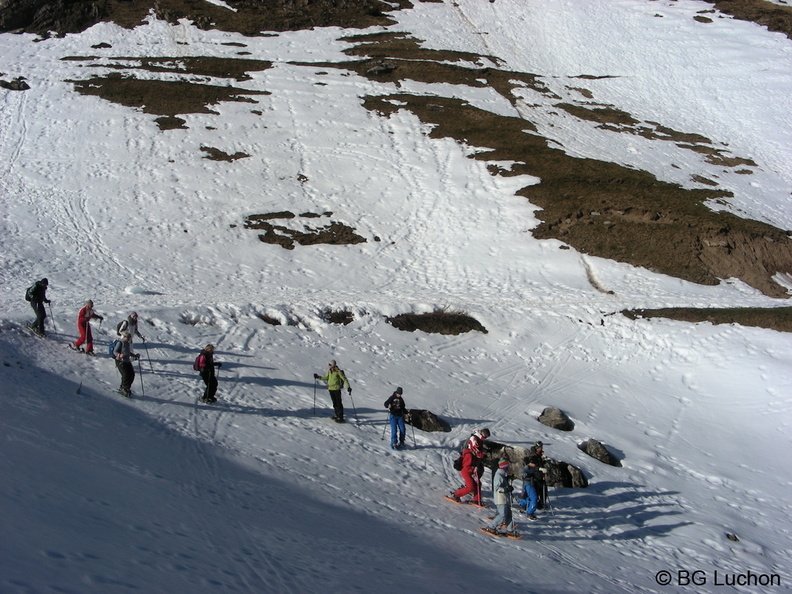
(121, 349)
(533, 495)
(471, 460)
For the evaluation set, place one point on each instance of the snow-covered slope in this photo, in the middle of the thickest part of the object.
(262, 492)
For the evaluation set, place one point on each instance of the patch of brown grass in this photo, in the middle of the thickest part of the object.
(441, 321)
(779, 318)
(287, 237)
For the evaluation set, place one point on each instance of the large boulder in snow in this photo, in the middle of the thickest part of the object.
(556, 418)
(557, 472)
(563, 474)
(426, 421)
(596, 450)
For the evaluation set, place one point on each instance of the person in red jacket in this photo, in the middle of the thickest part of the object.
(472, 467)
(84, 318)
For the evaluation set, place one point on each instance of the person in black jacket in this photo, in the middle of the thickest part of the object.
(38, 297)
(206, 366)
(123, 355)
(396, 410)
(534, 490)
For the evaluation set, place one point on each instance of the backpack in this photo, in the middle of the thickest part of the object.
(120, 324)
(200, 362)
(29, 293)
(458, 463)
(111, 348)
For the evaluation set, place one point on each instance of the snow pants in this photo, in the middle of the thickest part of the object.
(528, 498)
(211, 385)
(338, 404)
(472, 484)
(86, 336)
(503, 516)
(41, 315)
(397, 427)
(127, 371)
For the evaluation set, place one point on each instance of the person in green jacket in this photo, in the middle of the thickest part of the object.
(335, 380)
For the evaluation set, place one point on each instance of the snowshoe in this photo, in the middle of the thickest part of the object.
(514, 535)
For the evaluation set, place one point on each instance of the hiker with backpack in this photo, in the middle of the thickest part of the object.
(396, 412)
(204, 363)
(335, 380)
(37, 295)
(472, 467)
(130, 324)
(123, 355)
(84, 317)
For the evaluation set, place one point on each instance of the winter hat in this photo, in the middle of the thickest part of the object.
(399, 391)
(503, 463)
(133, 314)
(332, 363)
(44, 281)
(209, 347)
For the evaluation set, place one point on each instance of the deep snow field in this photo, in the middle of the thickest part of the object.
(262, 492)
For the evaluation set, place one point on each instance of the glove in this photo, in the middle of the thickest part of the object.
(349, 390)
(316, 376)
(101, 319)
(218, 364)
(136, 356)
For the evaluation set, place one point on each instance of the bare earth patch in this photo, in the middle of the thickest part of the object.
(777, 319)
(597, 207)
(285, 236)
(437, 322)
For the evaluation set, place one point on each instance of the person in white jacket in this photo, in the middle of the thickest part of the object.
(502, 489)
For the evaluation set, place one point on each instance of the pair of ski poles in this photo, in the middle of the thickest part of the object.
(385, 428)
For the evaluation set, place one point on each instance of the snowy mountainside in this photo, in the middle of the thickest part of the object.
(263, 492)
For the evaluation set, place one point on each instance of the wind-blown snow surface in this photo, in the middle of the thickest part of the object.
(258, 494)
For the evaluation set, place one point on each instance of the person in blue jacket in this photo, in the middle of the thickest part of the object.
(533, 480)
(396, 412)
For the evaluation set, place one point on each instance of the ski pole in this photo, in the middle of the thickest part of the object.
(145, 346)
(140, 375)
(52, 318)
(547, 501)
(413, 434)
(354, 410)
(314, 413)
(385, 428)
